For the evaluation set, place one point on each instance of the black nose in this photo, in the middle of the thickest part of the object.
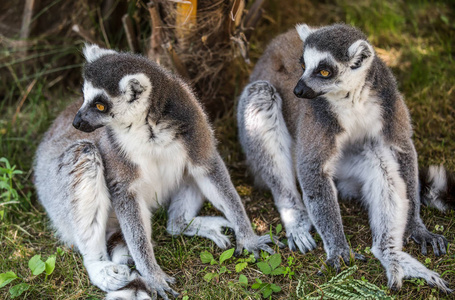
(83, 125)
(77, 120)
(301, 90)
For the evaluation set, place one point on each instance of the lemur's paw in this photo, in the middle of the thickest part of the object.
(109, 276)
(257, 243)
(220, 240)
(433, 279)
(216, 231)
(395, 276)
(299, 237)
(334, 260)
(159, 283)
(422, 236)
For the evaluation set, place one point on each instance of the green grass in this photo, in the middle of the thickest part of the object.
(418, 37)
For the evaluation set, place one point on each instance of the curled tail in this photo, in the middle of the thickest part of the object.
(437, 188)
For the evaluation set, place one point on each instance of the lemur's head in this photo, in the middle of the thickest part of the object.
(335, 61)
(116, 89)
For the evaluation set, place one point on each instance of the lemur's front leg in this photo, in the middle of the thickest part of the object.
(214, 182)
(320, 198)
(135, 223)
(407, 159)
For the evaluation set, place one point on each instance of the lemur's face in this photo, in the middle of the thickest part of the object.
(110, 98)
(335, 61)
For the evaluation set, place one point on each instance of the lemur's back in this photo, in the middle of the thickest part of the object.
(280, 66)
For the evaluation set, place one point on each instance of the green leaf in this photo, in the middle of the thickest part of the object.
(264, 267)
(275, 288)
(2, 212)
(209, 276)
(185, 298)
(243, 280)
(6, 278)
(278, 271)
(226, 255)
(50, 265)
(256, 286)
(275, 260)
(213, 262)
(223, 269)
(6, 162)
(239, 267)
(266, 292)
(278, 229)
(36, 265)
(60, 251)
(18, 289)
(206, 257)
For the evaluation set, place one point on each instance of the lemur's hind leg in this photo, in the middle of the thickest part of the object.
(90, 206)
(267, 145)
(416, 229)
(384, 194)
(183, 219)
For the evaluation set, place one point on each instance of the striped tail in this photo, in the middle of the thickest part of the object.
(437, 188)
(135, 290)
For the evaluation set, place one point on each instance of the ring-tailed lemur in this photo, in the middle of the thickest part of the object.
(351, 134)
(155, 147)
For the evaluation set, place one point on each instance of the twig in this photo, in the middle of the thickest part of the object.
(129, 30)
(177, 62)
(86, 35)
(26, 19)
(252, 18)
(156, 39)
(103, 31)
(18, 109)
(235, 15)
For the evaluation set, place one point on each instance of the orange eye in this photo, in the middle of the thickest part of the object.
(100, 107)
(324, 73)
(303, 66)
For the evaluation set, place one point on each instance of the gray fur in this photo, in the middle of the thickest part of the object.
(144, 141)
(347, 133)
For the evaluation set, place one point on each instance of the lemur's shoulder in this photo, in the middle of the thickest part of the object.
(280, 59)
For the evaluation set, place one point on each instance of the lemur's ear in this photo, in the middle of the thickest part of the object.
(133, 86)
(92, 52)
(360, 54)
(304, 31)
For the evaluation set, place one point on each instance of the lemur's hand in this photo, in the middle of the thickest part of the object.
(256, 243)
(422, 236)
(159, 283)
(333, 260)
(298, 234)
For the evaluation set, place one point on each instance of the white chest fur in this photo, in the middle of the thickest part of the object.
(161, 160)
(360, 118)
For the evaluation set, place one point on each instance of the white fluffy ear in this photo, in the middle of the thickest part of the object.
(304, 31)
(360, 53)
(92, 52)
(135, 86)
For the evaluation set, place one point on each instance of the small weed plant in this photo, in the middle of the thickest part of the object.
(270, 265)
(342, 286)
(9, 194)
(37, 267)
